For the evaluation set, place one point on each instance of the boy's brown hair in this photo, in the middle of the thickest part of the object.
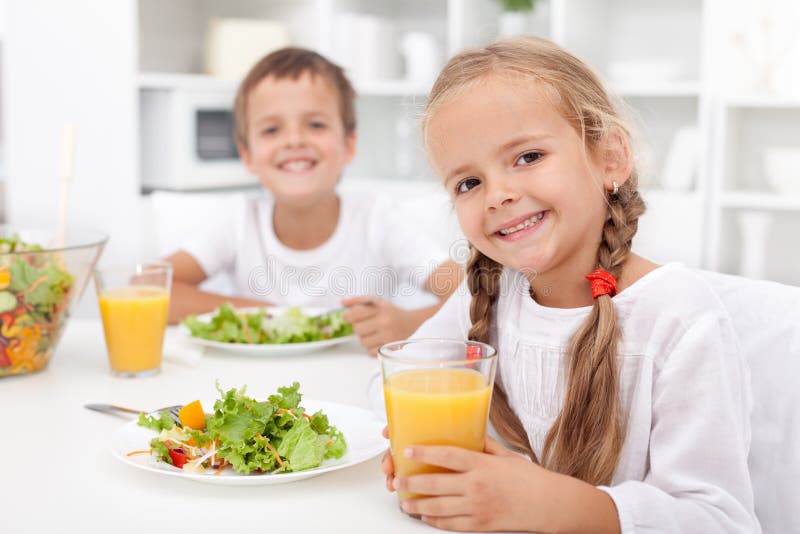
(292, 63)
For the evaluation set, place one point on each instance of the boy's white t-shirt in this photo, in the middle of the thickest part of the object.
(684, 390)
(374, 251)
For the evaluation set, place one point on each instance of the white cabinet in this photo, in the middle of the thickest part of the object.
(702, 152)
(756, 199)
(651, 54)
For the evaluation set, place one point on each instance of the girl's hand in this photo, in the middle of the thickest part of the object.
(495, 490)
(377, 322)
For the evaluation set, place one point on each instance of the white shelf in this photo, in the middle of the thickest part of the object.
(760, 201)
(392, 88)
(202, 82)
(762, 102)
(665, 195)
(658, 90)
(196, 82)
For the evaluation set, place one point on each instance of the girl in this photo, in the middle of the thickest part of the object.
(620, 379)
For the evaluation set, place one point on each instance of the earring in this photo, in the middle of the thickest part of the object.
(616, 188)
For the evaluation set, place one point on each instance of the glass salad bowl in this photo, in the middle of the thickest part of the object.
(39, 283)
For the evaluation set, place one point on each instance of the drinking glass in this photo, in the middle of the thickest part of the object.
(437, 392)
(133, 304)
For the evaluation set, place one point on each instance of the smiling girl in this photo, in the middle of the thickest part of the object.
(619, 380)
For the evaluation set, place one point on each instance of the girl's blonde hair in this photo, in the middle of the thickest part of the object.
(586, 437)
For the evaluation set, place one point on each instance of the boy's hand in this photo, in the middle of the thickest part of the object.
(377, 322)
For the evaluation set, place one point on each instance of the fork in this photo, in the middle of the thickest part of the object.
(111, 409)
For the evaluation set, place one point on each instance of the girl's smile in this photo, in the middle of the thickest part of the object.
(520, 227)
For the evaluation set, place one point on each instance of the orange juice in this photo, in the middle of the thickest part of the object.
(435, 407)
(134, 319)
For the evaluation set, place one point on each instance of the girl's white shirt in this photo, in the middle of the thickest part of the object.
(374, 251)
(684, 390)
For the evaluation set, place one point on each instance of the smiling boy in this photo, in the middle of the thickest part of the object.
(302, 243)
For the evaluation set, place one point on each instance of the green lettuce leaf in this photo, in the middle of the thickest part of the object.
(302, 447)
(293, 326)
(162, 422)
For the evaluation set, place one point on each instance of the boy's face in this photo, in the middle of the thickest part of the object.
(296, 143)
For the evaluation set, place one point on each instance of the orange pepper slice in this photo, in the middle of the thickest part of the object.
(192, 416)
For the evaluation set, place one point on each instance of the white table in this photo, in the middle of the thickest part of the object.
(57, 473)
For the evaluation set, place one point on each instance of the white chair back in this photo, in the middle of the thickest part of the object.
(767, 318)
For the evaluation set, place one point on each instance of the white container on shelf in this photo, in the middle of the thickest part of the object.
(680, 164)
(782, 169)
(511, 23)
(754, 227)
(234, 45)
(422, 55)
(366, 47)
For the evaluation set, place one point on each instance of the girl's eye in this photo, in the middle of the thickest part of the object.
(466, 184)
(318, 125)
(528, 157)
(269, 130)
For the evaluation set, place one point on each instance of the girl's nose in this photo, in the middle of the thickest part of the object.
(500, 192)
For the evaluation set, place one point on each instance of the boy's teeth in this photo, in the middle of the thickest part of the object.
(298, 165)
(524, 224)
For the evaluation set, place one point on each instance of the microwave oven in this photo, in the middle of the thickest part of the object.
(187, 141)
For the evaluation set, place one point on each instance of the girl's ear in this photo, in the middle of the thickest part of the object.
(617, 159)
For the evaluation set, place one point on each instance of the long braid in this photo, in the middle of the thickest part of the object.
(586, 438)
(483, 280)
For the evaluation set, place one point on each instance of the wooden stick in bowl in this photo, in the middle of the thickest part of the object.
(66, 167)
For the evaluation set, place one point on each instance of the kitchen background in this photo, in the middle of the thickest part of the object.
(714, 86)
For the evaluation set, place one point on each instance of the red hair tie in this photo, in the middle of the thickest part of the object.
(603, 283)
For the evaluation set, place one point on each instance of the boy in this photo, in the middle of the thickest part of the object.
(302, 243)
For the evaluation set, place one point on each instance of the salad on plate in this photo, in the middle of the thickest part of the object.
(272, 436)
(260, 327)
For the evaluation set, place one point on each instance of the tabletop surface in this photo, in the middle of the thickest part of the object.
(59, 475)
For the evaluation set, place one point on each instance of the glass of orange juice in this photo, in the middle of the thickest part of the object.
(437, 392)
(133, 305)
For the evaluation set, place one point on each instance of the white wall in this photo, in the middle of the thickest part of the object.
(73, 63)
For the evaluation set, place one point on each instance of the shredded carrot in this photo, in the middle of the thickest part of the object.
(277, 457)
(329, 443)
(220, 468)
(307, 416)
(33, 285)
(137, 452)
(246, 331)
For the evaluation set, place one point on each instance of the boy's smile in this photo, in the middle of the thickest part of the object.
(297, 164)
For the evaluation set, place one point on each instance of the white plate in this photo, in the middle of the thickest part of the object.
(361, 429)
(266, 349)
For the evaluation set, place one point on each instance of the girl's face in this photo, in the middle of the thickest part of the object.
(526, 192)
(296, 143)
